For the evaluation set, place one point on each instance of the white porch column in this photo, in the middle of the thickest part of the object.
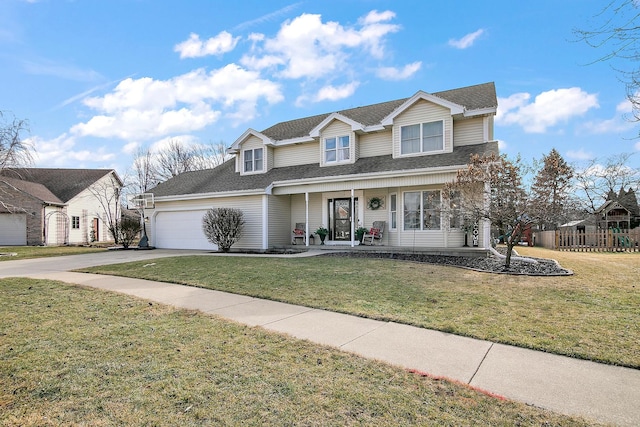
(306, 217)
(265, 222)
(353, 208)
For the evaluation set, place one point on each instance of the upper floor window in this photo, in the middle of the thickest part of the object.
(336, 149)
(253, 160)
(422, 138)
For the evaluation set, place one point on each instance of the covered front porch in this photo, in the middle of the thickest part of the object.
(409, 218)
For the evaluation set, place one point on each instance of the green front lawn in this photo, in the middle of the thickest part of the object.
(10, 253)
(78, 356)
(592, 315)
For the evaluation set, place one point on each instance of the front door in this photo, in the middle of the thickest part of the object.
(341, 219)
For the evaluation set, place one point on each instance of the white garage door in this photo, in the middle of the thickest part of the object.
(181, 230)
(13, 229)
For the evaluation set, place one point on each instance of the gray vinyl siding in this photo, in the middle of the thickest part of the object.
(291, 155)
(375, 144)
(279, 220)
(468, 132)
(423, 112)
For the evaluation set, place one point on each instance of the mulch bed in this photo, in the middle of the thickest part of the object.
(490, 264)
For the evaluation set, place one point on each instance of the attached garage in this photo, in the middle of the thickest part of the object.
(181, 230)
(13, 229)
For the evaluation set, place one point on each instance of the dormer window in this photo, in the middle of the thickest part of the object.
(336, 149)
(253, 160)
(422, 138)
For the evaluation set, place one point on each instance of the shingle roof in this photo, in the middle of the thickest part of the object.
(65, 184)
(471, 98)
(225, 179)
(36, 190)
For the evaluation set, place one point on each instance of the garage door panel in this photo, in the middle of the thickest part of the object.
(13, 229)
(181, 230)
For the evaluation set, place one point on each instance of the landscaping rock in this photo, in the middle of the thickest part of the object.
(491, 264)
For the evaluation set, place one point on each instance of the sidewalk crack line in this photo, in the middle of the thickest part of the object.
(480, 364)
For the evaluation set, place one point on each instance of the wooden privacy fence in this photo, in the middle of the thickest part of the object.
(611, 240)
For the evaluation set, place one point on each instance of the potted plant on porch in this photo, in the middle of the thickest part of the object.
(322, 232)
(359, 233)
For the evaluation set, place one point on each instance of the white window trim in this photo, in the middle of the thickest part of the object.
(421, 152)
(421, 210)
(391, 211)
(337, 149)
(253, 161)
(450, 213)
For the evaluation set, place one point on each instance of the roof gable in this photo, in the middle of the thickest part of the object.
(422, 96)
(315, 132)
(248, 133)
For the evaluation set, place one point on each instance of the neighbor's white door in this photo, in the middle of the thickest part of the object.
(13, 229)
(181, 230)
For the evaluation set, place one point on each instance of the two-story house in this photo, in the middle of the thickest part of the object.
(342, 170)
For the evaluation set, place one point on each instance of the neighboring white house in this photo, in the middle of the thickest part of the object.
(383, 162)
(57, 206)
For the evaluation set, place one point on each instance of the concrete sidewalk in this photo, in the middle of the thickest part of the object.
(599, 392)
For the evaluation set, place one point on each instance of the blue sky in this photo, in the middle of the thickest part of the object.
(99, 78)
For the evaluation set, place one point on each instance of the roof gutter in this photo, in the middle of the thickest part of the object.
(199, 196)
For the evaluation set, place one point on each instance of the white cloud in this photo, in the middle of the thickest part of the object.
(625, 107)
(579, 154)
(623, 121)
(141, 109)
(306, 47)
(502, 145)
(547, 109)
(614, 125)
(466, 41)
(195, 48)
(131, 147)
(393, 73)
(61, 152)
(375, 17)
(333, 93)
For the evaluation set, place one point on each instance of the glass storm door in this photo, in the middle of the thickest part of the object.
(342, 219)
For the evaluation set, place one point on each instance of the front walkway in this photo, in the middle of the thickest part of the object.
(599, 392)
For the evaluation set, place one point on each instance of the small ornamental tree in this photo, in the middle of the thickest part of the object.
(223, 227)
(128, 230)
(491, 189)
